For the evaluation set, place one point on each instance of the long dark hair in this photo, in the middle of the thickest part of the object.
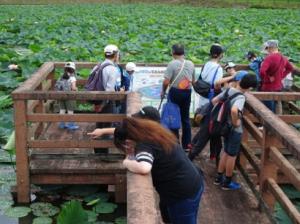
(143, 130)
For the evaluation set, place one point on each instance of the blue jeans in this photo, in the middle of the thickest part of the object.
(271, 104)
(186, 211)
(182, 97)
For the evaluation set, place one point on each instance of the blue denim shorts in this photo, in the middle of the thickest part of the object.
(232, 143)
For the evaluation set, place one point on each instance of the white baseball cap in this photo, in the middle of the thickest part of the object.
(70, 65)
(130, 66)
(110, 49)
(229, 65)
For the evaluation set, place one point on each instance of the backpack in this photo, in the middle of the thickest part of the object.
(218, 120)
(62, 85)
(95, 80)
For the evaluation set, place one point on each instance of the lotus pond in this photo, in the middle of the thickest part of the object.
(31, 35)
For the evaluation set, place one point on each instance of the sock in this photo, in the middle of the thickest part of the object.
(227, 180)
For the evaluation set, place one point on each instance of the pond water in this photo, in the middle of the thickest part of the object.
(58, 195)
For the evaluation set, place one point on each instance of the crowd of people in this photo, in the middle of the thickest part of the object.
(152, 148)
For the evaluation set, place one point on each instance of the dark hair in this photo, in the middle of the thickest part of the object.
(216, 50)
(110, 56)
(143, 130)
(178, 49)
(65, 76)
(148, 112)
(250, 55)
(248, 81)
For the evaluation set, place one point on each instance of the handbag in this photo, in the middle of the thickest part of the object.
(204, 88)
(170, 115)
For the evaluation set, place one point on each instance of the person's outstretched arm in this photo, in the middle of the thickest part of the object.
(98, 132)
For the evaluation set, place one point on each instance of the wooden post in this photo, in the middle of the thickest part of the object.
(120, 188)
(39, 109)
(51, 76)
(279, 107)
(268, 169)
(245, 138)
(23, 181)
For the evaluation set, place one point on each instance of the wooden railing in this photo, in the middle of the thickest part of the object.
(275, 136)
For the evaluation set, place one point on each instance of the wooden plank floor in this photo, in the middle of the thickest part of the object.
(217, 206)
(226, 207)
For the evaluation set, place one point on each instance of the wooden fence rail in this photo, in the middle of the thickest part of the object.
(276, 133)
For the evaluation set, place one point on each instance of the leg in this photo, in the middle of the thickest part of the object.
(231, 149)
(185, 211)
(62, 124)
(106, 109)
(270, 104)
(200, 139)
(71, 125)
(185, 121)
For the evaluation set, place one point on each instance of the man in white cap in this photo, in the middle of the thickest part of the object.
(110, 76)
(274, 68)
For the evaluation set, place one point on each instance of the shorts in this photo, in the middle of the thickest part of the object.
(68, 105)
(232, 143)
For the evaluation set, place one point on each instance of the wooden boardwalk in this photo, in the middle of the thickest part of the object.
(226, 207)
(217, 206)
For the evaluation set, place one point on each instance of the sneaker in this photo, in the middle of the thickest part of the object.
(72, 126)
(231, 186)
(62, 125)
(219, 180)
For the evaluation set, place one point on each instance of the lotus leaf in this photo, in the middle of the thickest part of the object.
(17, 212)
(103, 196)
(105, 207)
(92, 216)
(121, 220)
(72, 212)
(44, 209)
(5, 204)
(42, 220)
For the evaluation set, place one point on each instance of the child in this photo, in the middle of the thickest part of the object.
(255, 64)
(127, 78)
(67, 83)
(233, 139)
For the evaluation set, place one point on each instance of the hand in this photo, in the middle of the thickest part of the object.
(125, 162)
(272, 78)
(96, 133)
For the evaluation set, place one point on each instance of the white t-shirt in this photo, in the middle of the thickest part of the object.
(207, 75)
(111, 74)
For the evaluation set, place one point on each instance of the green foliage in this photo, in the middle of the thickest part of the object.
(103, 196)
(72, 212)
(42, 220)
(92, 216)
(5, 102)
(10, 145)
(42, 209)
(17, 212)
(105, 207)
(121, 220)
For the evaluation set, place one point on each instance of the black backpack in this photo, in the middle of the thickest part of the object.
(218, 120)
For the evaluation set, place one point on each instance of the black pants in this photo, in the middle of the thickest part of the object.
(107, 109)
(201, 139)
